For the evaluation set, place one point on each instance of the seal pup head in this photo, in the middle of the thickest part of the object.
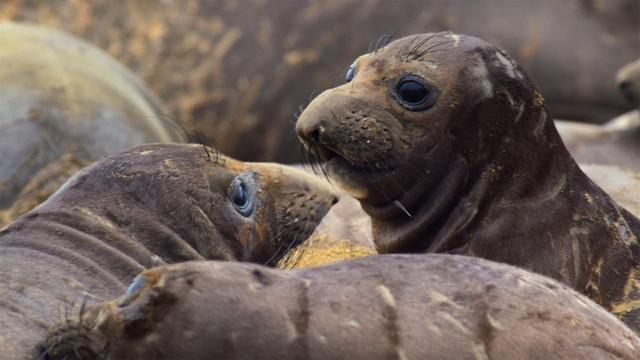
(420, 120)
(186, 202)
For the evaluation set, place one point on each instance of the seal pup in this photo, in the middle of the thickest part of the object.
(448, 146)
(146, 206)
(200, 81)
(390, 306)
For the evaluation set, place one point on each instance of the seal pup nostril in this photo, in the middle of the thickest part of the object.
(334, 200)
(315, 134)
(624, 86)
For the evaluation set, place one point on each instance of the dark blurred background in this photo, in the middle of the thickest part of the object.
(239, 70)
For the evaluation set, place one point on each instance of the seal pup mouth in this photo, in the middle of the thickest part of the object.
(355, 176)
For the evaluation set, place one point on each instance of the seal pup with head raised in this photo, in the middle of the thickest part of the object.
(448, 146)
(146, 206)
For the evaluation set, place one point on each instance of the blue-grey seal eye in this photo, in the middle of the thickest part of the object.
(351, 72)
(241, 198)
(414, 94)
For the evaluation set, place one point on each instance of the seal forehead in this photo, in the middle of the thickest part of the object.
(432, 55)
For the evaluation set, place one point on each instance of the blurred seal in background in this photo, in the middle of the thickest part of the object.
(239, 70)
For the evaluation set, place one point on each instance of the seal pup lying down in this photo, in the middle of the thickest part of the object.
(146, 206)
(448, 146)
(379, 307)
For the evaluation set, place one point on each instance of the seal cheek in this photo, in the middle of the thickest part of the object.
(248, 241)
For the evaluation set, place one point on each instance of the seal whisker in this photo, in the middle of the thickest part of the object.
(383, 41)
(401, 207)
(303, 156)
(276, 238)
(411, 53)
(369, 170)
(173, 122)
(415, 52)
(388, 40)
(339, 75)
(395, 182)
(274, 256)
(371, 46)
(432, 48)
(196, 136)
(279, 253)
(402, 53)
(288, 262)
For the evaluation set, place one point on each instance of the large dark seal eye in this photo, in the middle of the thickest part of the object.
(351, 72)
(240, 198)
(414, 94)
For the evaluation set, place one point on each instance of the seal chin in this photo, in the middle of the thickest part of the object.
(356, 180)
(353, 182)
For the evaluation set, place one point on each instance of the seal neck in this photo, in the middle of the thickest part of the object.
(526, 205)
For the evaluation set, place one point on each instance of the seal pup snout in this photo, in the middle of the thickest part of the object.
(297, 202)
(628, 80)
(357, 140)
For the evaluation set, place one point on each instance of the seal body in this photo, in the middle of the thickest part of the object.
(200, 58)
(146, 206)
(449, 148)
(389, 306)
(63, 105)
(615, 143)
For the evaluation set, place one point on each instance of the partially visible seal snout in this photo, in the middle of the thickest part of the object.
(628, 80)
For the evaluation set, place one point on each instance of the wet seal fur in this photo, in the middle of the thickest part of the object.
(481, 171)
(390, 306)
(143, 207)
